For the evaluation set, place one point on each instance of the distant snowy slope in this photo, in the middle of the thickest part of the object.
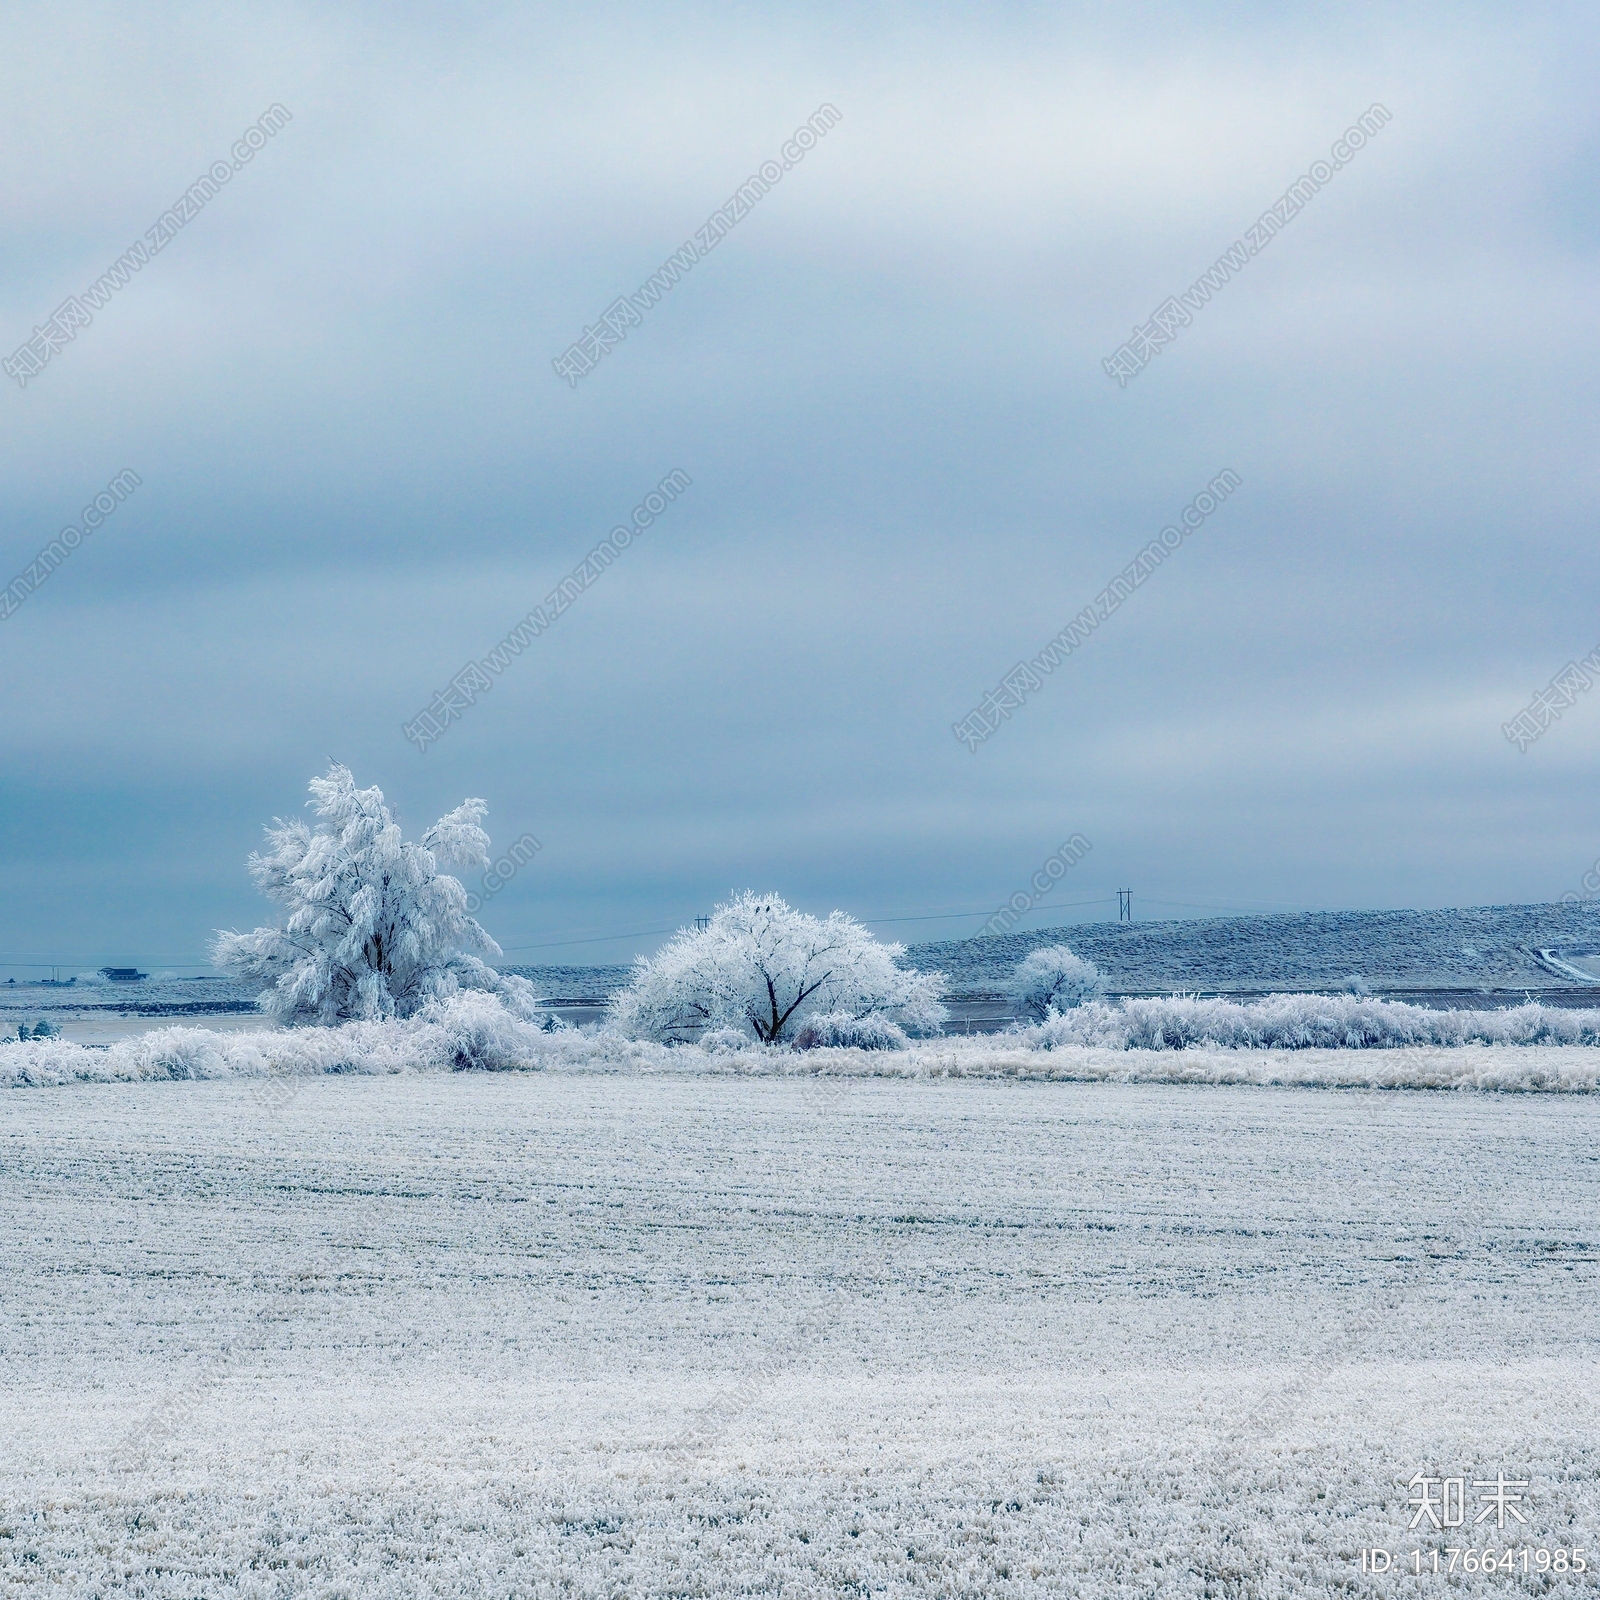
(156, 995)
(1488, 946)
(594, 984)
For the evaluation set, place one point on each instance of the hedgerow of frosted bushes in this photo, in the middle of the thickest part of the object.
(1304, 1022)
(475, 1032)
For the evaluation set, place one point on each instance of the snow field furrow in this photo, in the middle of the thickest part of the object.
(597, 1335)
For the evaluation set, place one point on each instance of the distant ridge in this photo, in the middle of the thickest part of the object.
(1479, 947)
(1487, 947)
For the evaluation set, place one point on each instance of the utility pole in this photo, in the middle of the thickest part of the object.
(1124, 905)
(701, 924)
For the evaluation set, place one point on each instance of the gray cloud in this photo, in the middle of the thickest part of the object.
(359, 469)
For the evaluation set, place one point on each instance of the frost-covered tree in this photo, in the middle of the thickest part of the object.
(765, 969)
(1053, 979)
(372, 928)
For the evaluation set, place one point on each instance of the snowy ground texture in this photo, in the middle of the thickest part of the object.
(1309, 1040)
(600, 1335)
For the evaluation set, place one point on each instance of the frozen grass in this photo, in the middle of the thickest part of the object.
(1305, 1040)
(603, 1336)
(469, 1031)
(1308, 1022)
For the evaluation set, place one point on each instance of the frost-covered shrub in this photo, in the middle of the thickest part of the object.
(1095, 1022)
(1054, 979)
(372, 929)
(33, 1062)
(179, 1053)
(1304, 1022)
(840, 1030)
(1195, 1046)
(766, 969)
(723, 1041)
(478, 1034)
(469, 1031)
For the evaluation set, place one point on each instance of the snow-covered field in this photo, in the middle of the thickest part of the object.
(606, 1334)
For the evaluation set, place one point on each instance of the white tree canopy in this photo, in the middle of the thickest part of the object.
(372, 928)
(1054, 979)
(764, 968)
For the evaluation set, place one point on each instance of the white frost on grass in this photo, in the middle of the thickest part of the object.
(1307, 1022)
(469, 1031)
(587, 1337)
(1307, 1040)
(1524, 1069)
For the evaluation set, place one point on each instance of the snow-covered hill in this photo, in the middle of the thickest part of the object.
(1483, 947)
(1488, 947)
(595, 985)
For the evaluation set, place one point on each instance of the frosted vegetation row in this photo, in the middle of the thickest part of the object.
(1296, 1039)
(376, 966)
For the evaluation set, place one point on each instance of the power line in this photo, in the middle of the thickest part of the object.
(938, 916)
(602, 938)
(988, 911)
(1218, 905)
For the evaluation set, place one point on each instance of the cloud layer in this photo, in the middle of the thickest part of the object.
(909, 468)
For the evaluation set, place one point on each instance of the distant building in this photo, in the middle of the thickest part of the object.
(123, 974)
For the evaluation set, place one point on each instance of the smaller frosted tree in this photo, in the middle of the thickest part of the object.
(372, 928)
(765, 969)
(1053, 979)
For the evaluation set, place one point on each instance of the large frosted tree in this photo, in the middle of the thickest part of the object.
(765, 969)
(371, 927)
(1054, 979)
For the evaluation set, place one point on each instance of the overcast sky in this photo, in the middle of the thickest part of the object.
(909, 467)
